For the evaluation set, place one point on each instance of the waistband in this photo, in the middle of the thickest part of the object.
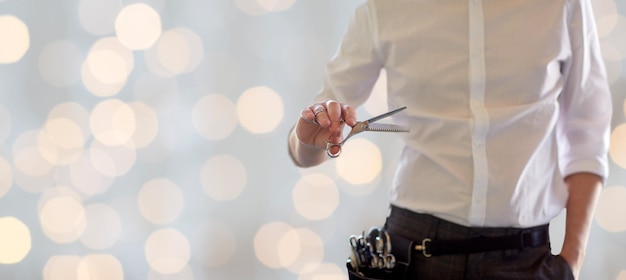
(433, 236)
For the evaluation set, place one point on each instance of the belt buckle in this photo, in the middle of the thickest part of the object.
(422, 247)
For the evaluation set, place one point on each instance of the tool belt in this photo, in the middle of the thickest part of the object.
(380, 254)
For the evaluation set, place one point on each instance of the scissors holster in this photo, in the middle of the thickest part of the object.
(378, 256)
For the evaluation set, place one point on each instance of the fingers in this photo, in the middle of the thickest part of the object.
(329, 114)
(310, 114)
(320, 112)
(349, 115)
(325, 123)
(334, 114)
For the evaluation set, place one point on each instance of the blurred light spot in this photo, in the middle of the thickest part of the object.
(87, 179)
(315, 197)
(260, 109)
(103, 84)
(14, 37)
(289, 247)
(611, 208)
(214, 243)
(107, 66)
(605, 12)
(61, 141)
(114, 45)
(606, 24)
(6, 176)
(138, 26)
(112, 161)
(617, 150)
(160, 201)
(303, 61)
(214, 117)
(325, 271)
(618, 39)
(275, 5)
(59, 63)
(218, 72)
(97, 87)
(61, 267)
(159, 93)
(251, 7)
(57, 191)
(376, 104)
(62, 219)
(112, 122)
(185, 274)
(103, 229)
(15, 242)
(98, 16)
(64, 133)
(266, 246)
(613, 70)
(27, 156)
(301, 250)
(5, 123)
(223, 177)
(167, 251)
(75, 112)
(621, 275)
(100, 267)
(360, 161)
(34, 184)
(177, 51)
(147, 125)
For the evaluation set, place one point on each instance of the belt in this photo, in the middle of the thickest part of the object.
(528, 238)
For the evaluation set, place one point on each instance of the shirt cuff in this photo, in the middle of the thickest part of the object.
(595, 166)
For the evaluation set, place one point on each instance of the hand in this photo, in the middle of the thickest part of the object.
(324, 121)
(574, 262)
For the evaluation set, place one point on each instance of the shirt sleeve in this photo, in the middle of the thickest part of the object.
(584, 125)
(353, 70)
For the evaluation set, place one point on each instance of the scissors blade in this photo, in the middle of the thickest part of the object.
(387, 127)
(385, 115)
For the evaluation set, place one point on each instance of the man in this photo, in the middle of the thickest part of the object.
(509, 112)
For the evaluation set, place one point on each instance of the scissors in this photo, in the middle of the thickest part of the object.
(367, 125)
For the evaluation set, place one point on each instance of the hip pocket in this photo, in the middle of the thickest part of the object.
(562, 268)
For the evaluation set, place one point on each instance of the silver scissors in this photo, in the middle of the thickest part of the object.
(368, 125)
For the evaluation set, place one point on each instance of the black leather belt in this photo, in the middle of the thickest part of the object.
(528, 238)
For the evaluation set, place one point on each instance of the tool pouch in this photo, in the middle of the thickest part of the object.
(371, 257)
(372, 274)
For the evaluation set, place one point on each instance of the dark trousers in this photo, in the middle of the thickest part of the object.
(529, 263)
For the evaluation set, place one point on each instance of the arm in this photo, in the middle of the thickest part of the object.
(350, 76)
(302, 154)
(584, 131)
(584, 190)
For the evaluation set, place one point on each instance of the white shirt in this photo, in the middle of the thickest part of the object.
(505, 99)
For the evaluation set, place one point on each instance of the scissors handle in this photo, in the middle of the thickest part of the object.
(356, 129)
(329, 145)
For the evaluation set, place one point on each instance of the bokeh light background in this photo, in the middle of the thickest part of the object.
(147, 140)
